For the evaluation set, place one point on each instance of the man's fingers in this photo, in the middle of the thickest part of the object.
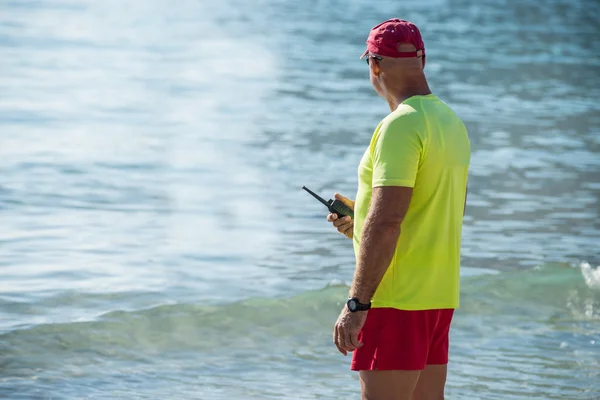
(348, 341)
(342, 221)
(344, 225)
(341, 336)
(336, 340)
(343, 228)
(335, 331)
(341, 198)
(344, 200)
(354, 340)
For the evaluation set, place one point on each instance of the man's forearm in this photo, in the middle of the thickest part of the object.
(377, 246)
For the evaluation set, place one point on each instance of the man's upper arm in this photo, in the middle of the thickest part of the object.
(389, 204)
(396, 152)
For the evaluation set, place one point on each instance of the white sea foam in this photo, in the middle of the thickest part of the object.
(591, 275)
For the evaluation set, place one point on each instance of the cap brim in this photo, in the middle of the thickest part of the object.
(364, 54)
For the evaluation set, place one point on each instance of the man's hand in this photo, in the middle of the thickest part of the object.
(347, 328)
(344, 225)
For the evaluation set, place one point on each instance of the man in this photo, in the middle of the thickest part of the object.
(407, 228)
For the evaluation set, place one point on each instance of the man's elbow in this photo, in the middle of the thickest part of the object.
(389, 226)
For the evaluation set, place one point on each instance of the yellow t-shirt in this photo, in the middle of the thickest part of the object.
(422, 145)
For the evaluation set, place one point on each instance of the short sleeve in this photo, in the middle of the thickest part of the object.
(395, 152)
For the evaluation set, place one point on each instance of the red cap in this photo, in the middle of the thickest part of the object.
(385, 38)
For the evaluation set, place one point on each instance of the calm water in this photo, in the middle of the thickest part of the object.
(155, 242)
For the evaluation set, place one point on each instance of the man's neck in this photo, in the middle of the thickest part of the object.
(396, 97)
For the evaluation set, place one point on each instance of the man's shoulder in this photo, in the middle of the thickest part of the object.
(404, 112)
(419, 113)
(404, 118)
(405, 123)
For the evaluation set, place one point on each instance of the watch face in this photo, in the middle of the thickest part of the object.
(352, 306)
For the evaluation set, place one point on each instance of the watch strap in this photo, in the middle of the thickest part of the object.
(358, 306)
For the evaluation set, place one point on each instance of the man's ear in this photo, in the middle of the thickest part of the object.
(375, 68)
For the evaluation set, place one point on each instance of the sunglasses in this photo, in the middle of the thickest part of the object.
(369, 56)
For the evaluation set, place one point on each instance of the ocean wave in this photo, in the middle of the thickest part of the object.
(591, 275)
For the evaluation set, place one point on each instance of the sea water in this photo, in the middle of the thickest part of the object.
(155, 242)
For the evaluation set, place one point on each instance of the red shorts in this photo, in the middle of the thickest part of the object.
(403, 340)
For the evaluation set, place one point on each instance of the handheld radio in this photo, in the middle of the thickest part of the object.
(334, 206)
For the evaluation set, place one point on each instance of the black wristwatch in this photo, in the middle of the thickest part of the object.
(354, 305)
